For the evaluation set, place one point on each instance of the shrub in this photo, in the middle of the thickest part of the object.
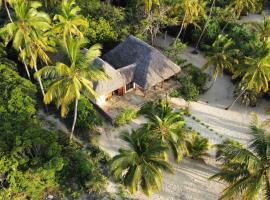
(100, 31)
(125, 116)
(198, 77)
(87, 119)
(188, 90)
(198, 146)
(175, 93)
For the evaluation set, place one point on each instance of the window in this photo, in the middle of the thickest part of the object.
(129, 86)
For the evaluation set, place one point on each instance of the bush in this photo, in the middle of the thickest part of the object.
(100, 31)
(35, 162)
(198, 77)
(198, 146)
(87, 119)
(175, 93)
(188, 90)
(125, 116)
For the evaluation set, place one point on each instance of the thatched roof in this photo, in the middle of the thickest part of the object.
(152, 66)
(115, 80)
(128, 72)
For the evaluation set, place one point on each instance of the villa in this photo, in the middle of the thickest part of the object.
(132, 65)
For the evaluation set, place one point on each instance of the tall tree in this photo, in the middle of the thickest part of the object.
(246, 169)
(206, 24)
(255, 73)
(141, 164)
(167, 125)
(70, 79)
(69, 22)
(192, 10)
(221, 55)
(28, 23)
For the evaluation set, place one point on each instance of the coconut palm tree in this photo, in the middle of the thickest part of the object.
(255, 73)
(243, 5)
(167, 125)
(71, 78)
(149, 4)
(192, 10)
(263, 29)
(221, 55)
(68, 21)
(28, 23)
(206, 24)
(141, 164)
(198, 147)
(246, 168)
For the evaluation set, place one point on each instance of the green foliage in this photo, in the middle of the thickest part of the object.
(87, 119)
(198, 77)
(141, 165)
(244, 167)
(101, 31)
(198, 146)
(125, 116)
(35, 162)
(167, 125)
(188, 89)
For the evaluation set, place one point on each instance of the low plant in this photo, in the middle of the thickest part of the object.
(125, 116)
(188, 90)
(198, 146)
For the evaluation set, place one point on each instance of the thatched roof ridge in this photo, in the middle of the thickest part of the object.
(114, 82)
(152, 66)
(128, 72)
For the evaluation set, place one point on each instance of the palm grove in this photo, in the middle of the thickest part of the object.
(47, 51)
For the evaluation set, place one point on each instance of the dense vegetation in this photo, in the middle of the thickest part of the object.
(43, 59)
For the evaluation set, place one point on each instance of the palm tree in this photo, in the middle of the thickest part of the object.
(206, 24)
(198, 146)
(149, 4)
(69, 22)
(192, 10)
(168, 126)
(221, 55)
(29, 23)
(71, 78)
(255, 73)
(246, 168)
(241, 5)
(141, 164)
(263, 28)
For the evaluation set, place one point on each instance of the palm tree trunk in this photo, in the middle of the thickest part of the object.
(228, 107)
(181, 29)
(206, 24)
(74, 119)
(39, 79)
(20, 49)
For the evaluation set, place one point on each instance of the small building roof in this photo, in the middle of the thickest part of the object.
(148, 65)
(114, 82)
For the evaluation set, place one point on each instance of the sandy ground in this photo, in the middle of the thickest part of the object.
(190, 180)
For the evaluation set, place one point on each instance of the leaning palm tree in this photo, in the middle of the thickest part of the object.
(168, 126)
(192, 10)
(141, 164)
(221, 55)
(68, 21)
(255, 74)
(28, 23)
(71, 78)
(246, 168)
